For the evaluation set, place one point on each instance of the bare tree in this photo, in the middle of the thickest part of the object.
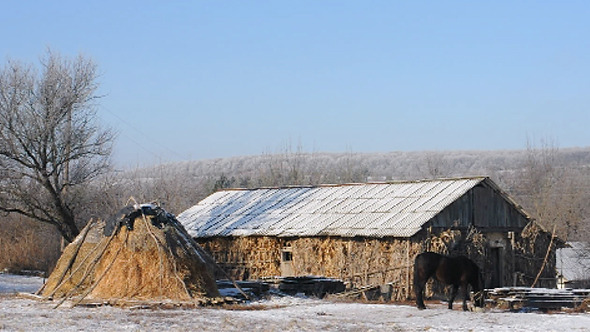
(50, 143)
(551, 192)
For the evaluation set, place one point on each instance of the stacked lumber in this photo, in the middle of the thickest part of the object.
(517, 298)
(311, 285)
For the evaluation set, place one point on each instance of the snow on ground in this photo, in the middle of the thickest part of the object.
(276, 314)
(10, 283)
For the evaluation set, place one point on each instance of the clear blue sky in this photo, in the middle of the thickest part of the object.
(206, 79)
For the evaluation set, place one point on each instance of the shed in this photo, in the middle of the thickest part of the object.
(573, 265)
(369, 233)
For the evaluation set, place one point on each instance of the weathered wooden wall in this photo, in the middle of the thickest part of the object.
(530, 249)
(522, 253)
(482, 207)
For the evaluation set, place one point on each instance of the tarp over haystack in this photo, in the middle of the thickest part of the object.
(141, 254)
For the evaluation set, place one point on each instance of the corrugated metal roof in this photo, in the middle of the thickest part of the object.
(371, 210)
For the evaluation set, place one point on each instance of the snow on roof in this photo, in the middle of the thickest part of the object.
(397, 209)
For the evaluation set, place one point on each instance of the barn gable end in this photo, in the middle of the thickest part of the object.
(485, 207)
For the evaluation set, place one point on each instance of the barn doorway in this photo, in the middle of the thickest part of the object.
(497, 264)
(287, 260)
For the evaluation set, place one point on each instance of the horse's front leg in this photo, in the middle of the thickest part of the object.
(453, 295)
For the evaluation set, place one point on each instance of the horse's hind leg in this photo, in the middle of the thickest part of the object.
(453, 295)
(419, 291)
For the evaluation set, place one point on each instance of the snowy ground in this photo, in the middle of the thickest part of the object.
(278, 314)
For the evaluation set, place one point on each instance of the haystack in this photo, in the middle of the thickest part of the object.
(141, 254)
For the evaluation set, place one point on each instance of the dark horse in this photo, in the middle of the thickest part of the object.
(455, 271)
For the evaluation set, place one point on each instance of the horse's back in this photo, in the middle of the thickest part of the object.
(428, 258)
(449, 270)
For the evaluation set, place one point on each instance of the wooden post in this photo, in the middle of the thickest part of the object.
(408, 269)
(546, 257)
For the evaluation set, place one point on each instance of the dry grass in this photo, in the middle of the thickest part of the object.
(27, 245)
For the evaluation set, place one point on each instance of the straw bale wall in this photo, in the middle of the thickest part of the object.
(245, 257)
(523, 254)
(358, 261)
(378, 261)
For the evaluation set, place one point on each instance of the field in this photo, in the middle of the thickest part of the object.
(277, 314)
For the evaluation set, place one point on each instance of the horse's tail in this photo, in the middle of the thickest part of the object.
(416, 272)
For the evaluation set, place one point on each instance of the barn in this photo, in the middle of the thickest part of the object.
(369, 233)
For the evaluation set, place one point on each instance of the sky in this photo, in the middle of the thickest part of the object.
(193, 80)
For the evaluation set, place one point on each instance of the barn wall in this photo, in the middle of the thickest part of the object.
(458, 214)
(493, 211)
(516, 258)
(366, 261)
(531, 247)
(245, 257)
(513, 253)
(358, 261)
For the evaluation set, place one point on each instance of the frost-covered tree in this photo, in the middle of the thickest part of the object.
(50, 143)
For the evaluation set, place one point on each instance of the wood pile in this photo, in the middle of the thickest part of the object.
(518, 298)
(311, 286)
(367, 293)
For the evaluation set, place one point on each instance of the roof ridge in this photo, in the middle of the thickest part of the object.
(332, 185)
